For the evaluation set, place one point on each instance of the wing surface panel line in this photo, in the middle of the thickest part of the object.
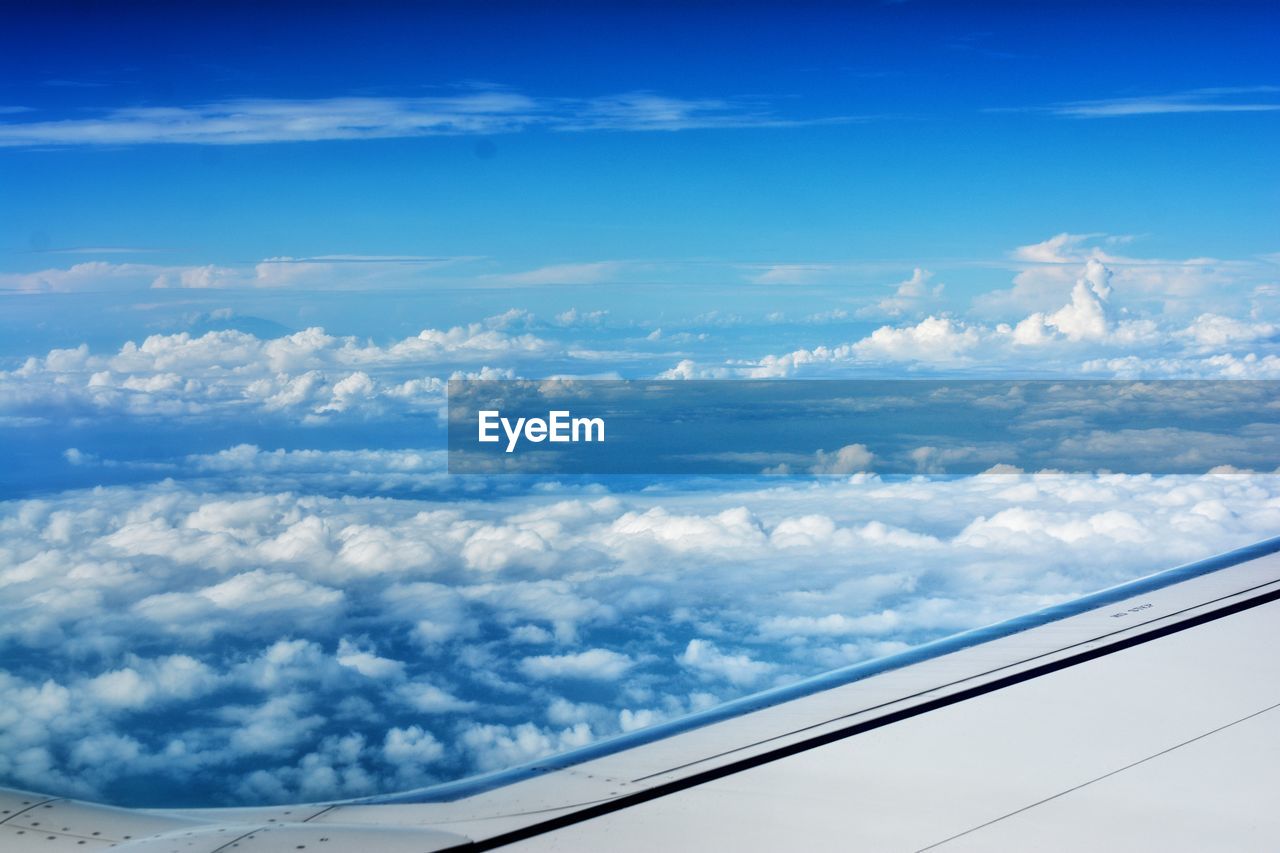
(1089, 782)
(34, 805)
(978, 675)
(750, 762)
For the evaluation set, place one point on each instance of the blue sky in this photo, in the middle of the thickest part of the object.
(244, 249)
(909, 132)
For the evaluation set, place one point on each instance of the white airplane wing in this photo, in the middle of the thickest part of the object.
(1146, 716)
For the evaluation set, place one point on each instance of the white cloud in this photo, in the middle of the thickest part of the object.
(1049, 267)
(574, 317)
(92, 275)
(1223, 99)
(411, 745)
(908, 296)
(366, 662)
(832, 625)
(495, 746)
(687, 368)
(849, 459)
(1225, 366)
(1091, 333)
(335, 769)
(308, 374)
(320, 273)
(791, 274)
(939, 340)
(705, 658)
(1061, 248)
(1213, 331)
(1085, 318)
(481, 111)
(429, 699)
(317, 647)
(584, 273)
(594, 664)
(683, 534)
(934, 339)
(145, 683)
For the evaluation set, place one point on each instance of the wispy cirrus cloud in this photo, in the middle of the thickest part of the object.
(488, 111)
(336, 271)
(791, 273)
(1222, 99)
(98, 250)
(594, 272)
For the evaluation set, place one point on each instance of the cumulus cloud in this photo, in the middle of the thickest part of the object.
(150, 683)
(909, 295)
(708, 660)
(494, 746)
(850, 459)
(1086, 318)
(1048, 268)
(597, 664)
(1224, 366)
(935, 340)
(308, 374)
(367, 662)
(429, 699)
(249, 467)
(1090, 333)
(1213, 331)
(316, 647)
(93, 275)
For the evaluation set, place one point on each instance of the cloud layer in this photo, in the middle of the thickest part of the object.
(269, 618)
(222, 373)
(1088, 335)
(174, 644)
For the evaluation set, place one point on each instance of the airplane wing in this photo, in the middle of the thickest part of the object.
(1145, 716)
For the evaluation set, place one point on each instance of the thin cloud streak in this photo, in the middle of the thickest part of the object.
(1208, 100)
(597, 272)
(244, 122)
